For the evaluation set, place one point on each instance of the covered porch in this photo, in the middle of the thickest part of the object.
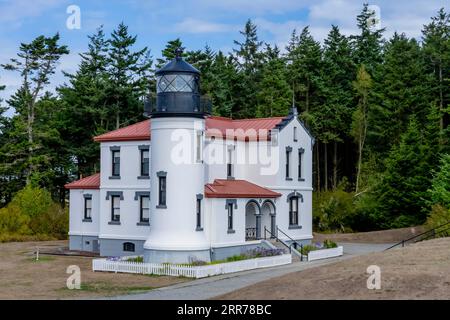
(260, 219)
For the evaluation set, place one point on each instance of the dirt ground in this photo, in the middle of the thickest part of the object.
(21, 277)
(384, 236)
(419, 271)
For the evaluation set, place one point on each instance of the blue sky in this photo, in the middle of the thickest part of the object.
(196, 22)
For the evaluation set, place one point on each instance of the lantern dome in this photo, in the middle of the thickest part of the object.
(177, 88)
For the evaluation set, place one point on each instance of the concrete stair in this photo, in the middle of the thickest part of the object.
(295, 254)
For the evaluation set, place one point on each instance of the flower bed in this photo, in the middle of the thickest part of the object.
(328, 249)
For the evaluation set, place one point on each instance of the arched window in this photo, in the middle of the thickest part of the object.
(293, 211)
(128, 246)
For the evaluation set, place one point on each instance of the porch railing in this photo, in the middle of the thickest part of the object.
(250, 234)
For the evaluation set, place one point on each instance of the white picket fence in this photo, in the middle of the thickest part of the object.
(189, 271)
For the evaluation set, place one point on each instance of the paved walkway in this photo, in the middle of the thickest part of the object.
(207, 288)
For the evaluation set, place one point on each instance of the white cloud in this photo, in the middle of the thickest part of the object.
(191, 25)
(14, 12)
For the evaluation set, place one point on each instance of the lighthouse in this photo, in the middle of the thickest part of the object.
(177, 173)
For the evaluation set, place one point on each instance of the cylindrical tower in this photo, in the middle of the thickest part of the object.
(176, 167)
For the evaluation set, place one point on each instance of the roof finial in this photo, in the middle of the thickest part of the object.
(179, 52)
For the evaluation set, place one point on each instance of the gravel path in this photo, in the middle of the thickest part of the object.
(207, 288)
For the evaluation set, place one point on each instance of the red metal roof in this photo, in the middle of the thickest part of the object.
(222, 188)
(215, 126)
(137, 131)
(91, 182)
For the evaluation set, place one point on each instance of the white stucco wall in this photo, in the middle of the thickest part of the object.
(76, 213)
(128, 184)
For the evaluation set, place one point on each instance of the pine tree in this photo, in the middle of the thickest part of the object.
(168, 53)
(223, 81)
(304, 57)
(401, 91)
(129, 76)
(335, 118)
(436, 44)
(35, 63)
(248, 59)
(402, 194)
(368, 44)
(274, 93)
(86, 110)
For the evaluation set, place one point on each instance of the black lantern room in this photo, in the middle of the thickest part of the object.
(177, 88)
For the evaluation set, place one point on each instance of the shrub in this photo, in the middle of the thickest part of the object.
(307, 249)
(439, 215)
(328, 244)
(440, 188)
(32, 212)
(333, 210)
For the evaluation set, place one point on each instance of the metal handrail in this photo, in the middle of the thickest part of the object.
(294, 241)
(274, 236)
(432, 232)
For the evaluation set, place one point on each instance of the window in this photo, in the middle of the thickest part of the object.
(176, 83)
(199, 146)
(144, 209)
(87, 208)
(115, 163)
(295, 134)
(288, 160)
(300, 160)
(162, 191)
(145, 160)
(230, 216)
(128, 246)
(293, 211)
(199, 213)
(230, 162)
(115, 208)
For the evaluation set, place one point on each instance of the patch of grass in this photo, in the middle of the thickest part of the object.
(136, 259)
(108, 288)
(42, 258)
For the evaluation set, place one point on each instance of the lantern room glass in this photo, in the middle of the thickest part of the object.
(176, 83)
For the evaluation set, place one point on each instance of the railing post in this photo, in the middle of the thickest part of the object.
(301, 252)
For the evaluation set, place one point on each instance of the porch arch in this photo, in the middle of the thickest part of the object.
(268, 218)
(252, 220)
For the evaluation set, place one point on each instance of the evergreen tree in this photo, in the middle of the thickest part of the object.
(304, 57)
(368, 44)
(168, 53)
(86, 109)
(35, 63)
(274, 95)
(223, 82)
(436, 44)
(129, 77)
(248, 59)
(335, 118)
(402, 195)
(400, 92)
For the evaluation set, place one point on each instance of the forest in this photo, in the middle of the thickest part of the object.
(378, 108)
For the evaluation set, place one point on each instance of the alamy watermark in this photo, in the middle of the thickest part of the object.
(374, 280)
(257, 148)
(374, 22)
(74, 280)
(74, 19)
